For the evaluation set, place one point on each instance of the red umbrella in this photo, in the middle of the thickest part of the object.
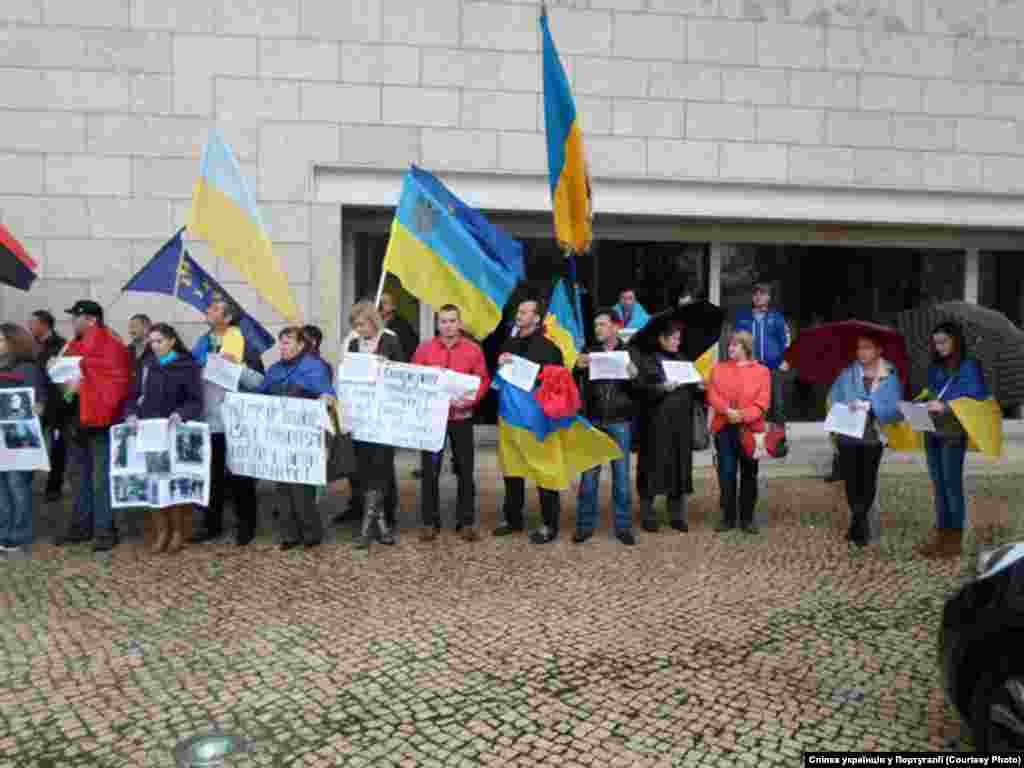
(17, 268)
(820, 354)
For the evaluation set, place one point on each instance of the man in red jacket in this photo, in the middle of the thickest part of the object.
(454, 352)
(107, 369)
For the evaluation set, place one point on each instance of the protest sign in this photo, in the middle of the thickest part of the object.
(22, 447)
(222, 372)
(177, 474)
(276, 438)
(407, 406)
(64, 370)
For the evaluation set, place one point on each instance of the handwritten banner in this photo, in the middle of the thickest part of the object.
(406, 406)
(276, 438)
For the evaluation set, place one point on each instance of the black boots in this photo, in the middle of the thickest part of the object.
(727, 502)
(374, 523)
(678, 515)
(648, 517)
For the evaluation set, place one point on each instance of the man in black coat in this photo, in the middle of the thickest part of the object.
(530, 343)
(55, 416)
(608, 405)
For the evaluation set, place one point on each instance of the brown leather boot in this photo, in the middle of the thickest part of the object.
(161, 523)
(932, 548)
(951, 542)
(176, 516)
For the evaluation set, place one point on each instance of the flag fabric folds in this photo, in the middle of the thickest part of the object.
(548, 452)
(174, 273)
(224, 213)
(444, 255)
(982, 420)
(567, 162)
(561, 327)
(17, 268)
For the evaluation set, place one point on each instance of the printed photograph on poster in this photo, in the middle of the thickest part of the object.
(131, 490)
(191, 447)
(184, 489)
(16, 404)
(125, 456)
(20, 435)
(158, 463)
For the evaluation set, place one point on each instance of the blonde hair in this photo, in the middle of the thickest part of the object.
(366, 310)
(746, 340)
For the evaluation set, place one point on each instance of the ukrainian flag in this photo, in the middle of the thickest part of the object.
(548, 452)
(224, 213)
(567, 162)
(982, 420)
(561, 326)
(442, 255)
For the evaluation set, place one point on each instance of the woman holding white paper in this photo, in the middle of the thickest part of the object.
(168, 386)
(18, 369)
(375, 487)
(952, 375)
(870, 385)
(664, 434)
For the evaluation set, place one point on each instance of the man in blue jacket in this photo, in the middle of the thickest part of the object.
(771, 338)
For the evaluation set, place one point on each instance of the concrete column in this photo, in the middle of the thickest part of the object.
(327, 275)
(972, 275)
(426, 321)
(715, 273)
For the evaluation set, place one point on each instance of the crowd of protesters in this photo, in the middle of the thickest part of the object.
(154, 375)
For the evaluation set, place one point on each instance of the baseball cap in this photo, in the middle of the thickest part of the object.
(87, 308)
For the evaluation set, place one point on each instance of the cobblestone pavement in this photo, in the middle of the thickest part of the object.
(688, 649)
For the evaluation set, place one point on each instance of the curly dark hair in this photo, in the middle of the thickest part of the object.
(956, 332)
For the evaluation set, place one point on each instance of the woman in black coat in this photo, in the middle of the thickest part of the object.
(168, 386)
(375, 479)
(664, 428)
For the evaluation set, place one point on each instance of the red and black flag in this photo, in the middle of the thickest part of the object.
(16, 267)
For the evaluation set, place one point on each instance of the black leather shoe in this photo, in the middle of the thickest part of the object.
(724, 526)
(626, 537)
(311, 544)
(204, 536)
(582, 535)
(651, 526)
(245, 537)
(679, 525)
(104, 541)
(74, 535)
(542, 536)
(507, 530)
(286, 545)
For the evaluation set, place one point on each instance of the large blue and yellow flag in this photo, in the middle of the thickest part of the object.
(548, 452)
(172, 271)
(567, 161)
(982, 420)
(224, 213)
(561, 326)
(443, 255)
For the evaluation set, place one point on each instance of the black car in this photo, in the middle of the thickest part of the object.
(981, 647)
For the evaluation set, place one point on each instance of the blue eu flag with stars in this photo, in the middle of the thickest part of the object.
(174, 273)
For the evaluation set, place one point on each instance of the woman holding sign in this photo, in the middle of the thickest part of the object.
(298, 374)
(169, 387)
(664, 435)
(18, 370)
(870, 386)
(952, 375)
(376, 483)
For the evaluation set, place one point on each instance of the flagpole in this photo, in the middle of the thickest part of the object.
(380, 286)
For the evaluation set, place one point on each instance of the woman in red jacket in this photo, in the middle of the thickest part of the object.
(739, 394)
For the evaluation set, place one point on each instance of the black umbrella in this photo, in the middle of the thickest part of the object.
(701, 322)
(992, 339)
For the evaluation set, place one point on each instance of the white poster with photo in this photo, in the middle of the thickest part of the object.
(276, 438)
(407, 406)
(177, 474)
(22, 442)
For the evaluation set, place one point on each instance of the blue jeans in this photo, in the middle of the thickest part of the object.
(622, 494)
(946, 469)
(83, 499)
(93, 504)
(16, 508)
